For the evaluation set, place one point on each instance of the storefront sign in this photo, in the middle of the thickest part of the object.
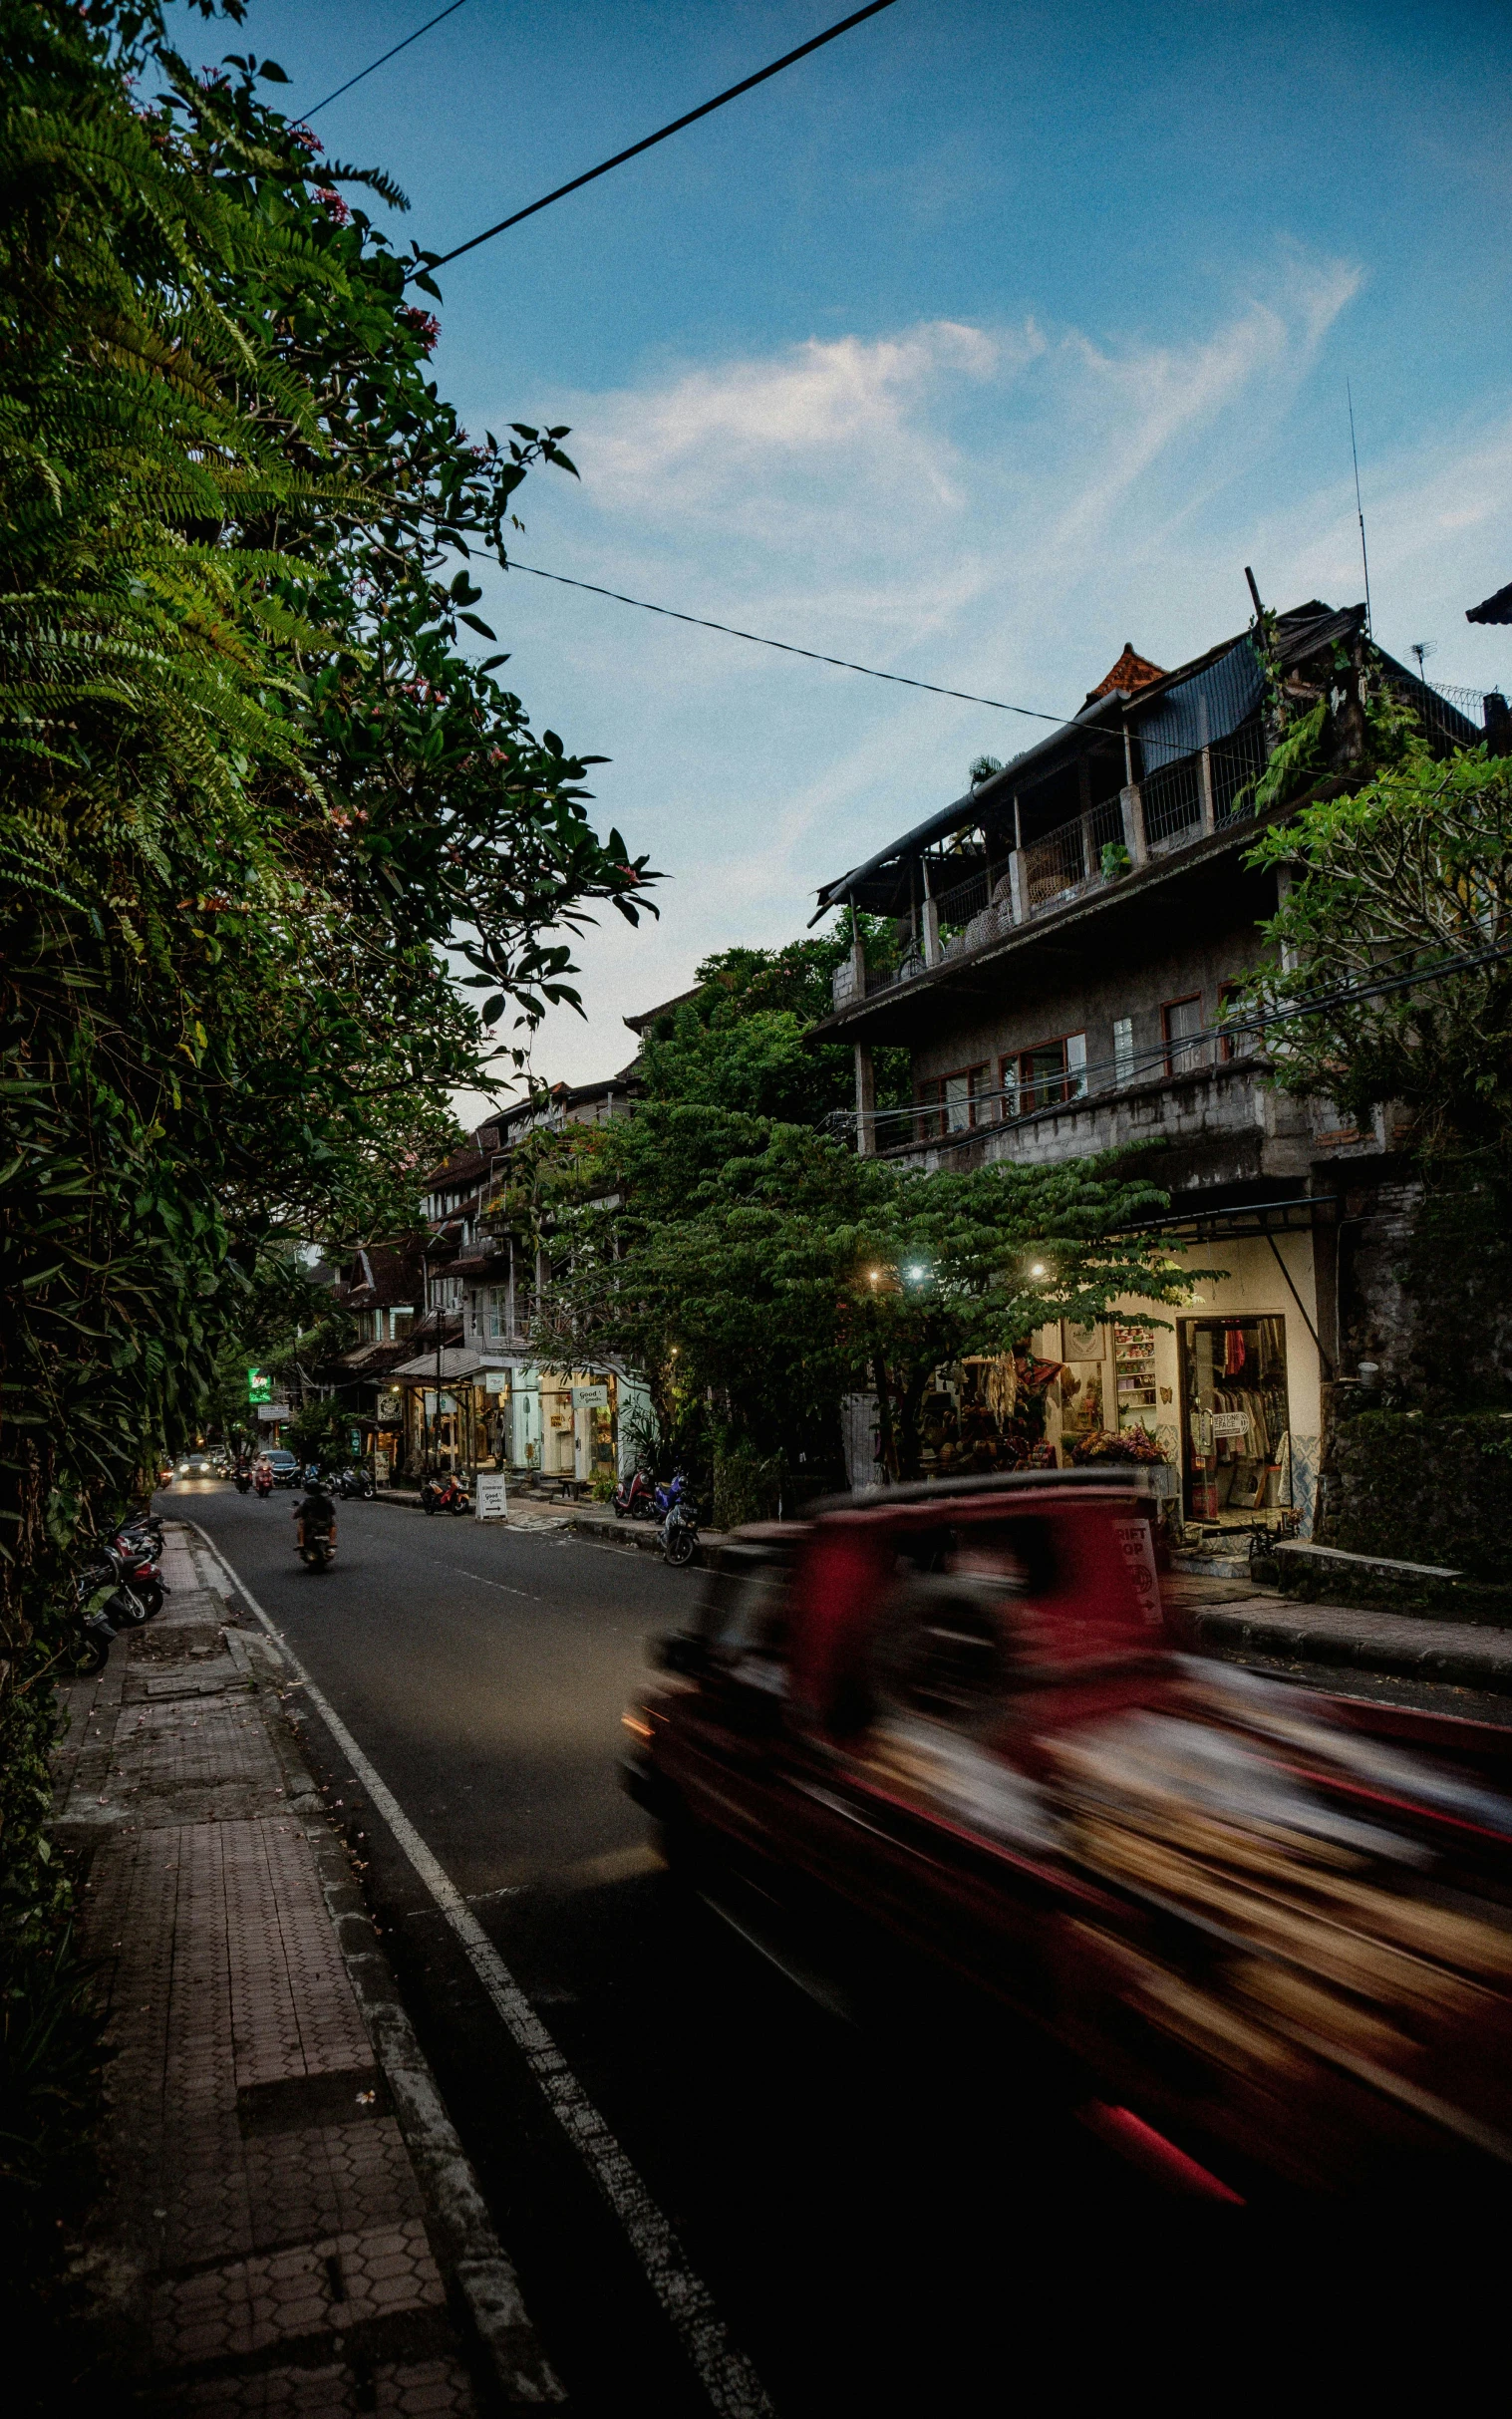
(390, 1404)
(433, 1403)
(490, 1499)
(590, 1398)
(259, 1386)
(1231, 1423)
(496, 1382)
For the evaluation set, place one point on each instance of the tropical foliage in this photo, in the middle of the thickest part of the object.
(254, 796)
(771, 1265)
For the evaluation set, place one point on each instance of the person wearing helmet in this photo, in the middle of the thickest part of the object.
(314, 1511)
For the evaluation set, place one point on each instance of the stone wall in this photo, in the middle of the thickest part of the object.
(1422, 1488)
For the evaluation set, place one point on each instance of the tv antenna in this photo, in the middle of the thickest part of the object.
(1358, 506)
(1422, 648)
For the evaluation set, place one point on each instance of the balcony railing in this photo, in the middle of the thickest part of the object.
(1178, 803)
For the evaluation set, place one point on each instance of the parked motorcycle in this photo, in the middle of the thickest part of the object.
(137, 1559)
(635, 1497)
(94, 1632)
(678, 1532)
(357, 1481)
(445, 1494)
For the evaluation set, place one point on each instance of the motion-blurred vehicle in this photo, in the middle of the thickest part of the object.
(198, 1466)
(284, 1466)
(950, 1727)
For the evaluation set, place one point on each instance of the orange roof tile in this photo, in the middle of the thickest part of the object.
(1131, 672)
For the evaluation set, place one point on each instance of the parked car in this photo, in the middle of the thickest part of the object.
(949, 1727)
(286, 1467)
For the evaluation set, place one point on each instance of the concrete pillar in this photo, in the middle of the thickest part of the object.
(866, 1102)
(931, 931)
(1131, 806)
(1209, 820)
(1016, 887)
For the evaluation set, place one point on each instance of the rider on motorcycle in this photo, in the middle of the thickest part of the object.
(312, 1513)
(262, 1477)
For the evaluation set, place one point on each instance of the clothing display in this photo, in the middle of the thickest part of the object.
(1234, 1384)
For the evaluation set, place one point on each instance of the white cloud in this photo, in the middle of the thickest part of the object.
(992, 508)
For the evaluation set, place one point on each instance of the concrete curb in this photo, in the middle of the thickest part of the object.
(468, 2250)
(1389, 1643)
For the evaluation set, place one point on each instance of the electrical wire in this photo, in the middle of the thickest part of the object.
(649, 142)
(783, 646)
(383, 62)
(1154, 1058)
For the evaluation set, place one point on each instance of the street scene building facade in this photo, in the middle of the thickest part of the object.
(1077, 932)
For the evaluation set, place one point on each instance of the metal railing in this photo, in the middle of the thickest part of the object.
(1070, 858)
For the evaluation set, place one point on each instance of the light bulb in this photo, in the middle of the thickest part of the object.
(1038, 1269)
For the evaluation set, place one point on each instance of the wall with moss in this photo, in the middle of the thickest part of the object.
(1425, 1488)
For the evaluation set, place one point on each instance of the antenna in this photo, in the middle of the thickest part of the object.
(1422, 648)
(1358, 507)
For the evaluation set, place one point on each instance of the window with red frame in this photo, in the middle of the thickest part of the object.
(953, 1103)
(1239, 1043)
(1044, 1076)
(1185, 1048)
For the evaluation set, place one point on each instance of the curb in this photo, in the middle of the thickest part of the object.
(468, 2248)
(1364, 1650)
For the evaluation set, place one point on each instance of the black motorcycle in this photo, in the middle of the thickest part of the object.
(678, 1533)
(357, 1482)
(445, 1494)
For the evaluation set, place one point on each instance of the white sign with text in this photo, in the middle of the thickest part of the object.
(490, 1496)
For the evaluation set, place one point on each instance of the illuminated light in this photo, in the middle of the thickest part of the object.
(1038, 1269)
(633, 1722)
(875, 1274)
(916, 1272)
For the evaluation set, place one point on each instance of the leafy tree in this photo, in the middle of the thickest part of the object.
(252, 791)
(743, 1044)
(768, 1262)
(1392, 974)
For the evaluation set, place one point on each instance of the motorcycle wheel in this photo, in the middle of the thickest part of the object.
(461, 1506)
(618, 1509)
(151, 1598)
(425, 1504)
(90, 1656)
(679, 1547)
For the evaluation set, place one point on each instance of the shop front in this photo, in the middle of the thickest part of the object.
(1227, 1384)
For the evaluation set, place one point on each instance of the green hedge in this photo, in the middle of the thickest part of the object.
(1423, 1488)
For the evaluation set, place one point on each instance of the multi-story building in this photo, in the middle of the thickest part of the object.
(1073, 930)
(473, 1394)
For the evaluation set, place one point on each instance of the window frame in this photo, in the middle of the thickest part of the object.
(1070, 1083)
(1178, 1042)
(933, 1110)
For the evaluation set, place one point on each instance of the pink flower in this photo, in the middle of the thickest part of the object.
(333, 203)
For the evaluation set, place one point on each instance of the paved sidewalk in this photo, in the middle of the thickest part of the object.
(1235, 1615)
(287, 2224)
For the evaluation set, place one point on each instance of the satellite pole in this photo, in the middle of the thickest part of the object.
(1358, 506)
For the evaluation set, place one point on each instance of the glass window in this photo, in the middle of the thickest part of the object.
(952, 1101)
(1044, 1076)
(496, 1309)
(1185, 1049)
(1123, 1051)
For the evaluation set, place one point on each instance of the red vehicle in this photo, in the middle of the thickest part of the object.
(1273, 1929)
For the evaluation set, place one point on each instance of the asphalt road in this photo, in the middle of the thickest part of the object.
(867, 2206)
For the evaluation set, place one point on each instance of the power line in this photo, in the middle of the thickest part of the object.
(648, 141)
(783, 646)
(1359, 509)
(383, 62)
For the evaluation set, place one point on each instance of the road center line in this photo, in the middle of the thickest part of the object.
(727, 2376)
(503, 1585)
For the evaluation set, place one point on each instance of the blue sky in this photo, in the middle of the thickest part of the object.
(984, 340)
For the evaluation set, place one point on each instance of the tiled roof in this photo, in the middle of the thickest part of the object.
(1131, 672)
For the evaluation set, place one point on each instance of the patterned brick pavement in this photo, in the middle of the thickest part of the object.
(263, 2243)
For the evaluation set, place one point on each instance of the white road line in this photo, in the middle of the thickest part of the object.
(504, 1588)
(727, 2376)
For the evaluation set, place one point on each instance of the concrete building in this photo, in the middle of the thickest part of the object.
(1073, 933)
